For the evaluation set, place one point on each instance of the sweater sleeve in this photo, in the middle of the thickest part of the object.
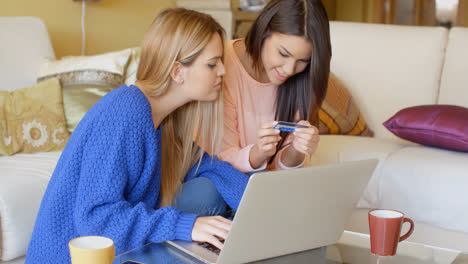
(232, 152)
(229, 181)
(114, 160)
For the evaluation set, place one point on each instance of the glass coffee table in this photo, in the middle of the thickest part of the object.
(351, 248)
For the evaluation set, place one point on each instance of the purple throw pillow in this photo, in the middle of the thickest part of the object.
(443, 126)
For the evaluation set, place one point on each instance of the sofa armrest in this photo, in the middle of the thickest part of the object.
(20, 198)
(23, 181)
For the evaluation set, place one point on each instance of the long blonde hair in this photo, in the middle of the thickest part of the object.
(180, 35)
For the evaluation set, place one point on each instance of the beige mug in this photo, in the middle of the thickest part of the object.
(91, 250)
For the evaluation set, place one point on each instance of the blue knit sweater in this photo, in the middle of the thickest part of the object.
(107, 182)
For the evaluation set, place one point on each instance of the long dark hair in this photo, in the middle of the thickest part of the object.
(305, 91)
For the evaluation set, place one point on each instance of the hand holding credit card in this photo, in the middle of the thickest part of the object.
(288, 127)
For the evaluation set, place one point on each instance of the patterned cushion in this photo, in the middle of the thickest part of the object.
(339, 114)
(32, 119)
(85, 80)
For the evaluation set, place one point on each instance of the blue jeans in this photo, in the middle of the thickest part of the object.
(252, 172)
(199, 196)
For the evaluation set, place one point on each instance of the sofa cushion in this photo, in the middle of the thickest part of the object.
(427, 184)
(23, 181)
(131, 70)
(337, 148)
(443, 126)
(339, 113)
(24, 43)
(85, 80)
(454, 83)
(387, 67)
(32, 119)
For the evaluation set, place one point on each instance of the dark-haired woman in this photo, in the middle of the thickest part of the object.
(279, 72)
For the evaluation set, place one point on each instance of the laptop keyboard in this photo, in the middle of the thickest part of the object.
(210, 247)
(229, 215)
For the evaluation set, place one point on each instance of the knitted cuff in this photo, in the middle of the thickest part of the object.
(184, 226)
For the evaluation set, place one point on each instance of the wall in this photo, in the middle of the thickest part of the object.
(110, 24)
(330, 6)
(350, 10)
(362, 11)
(118, 24)
(404, 13)
(462, 15)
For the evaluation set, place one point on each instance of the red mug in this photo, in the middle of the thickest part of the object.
(384, 229)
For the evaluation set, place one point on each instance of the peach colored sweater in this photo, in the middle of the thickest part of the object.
(247, 104)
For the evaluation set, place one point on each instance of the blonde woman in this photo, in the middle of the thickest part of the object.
(131, 157)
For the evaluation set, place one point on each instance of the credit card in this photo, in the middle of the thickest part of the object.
(288, 127)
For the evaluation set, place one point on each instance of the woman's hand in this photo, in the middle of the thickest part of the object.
(210, 228)
(267, 140)
(306, 139)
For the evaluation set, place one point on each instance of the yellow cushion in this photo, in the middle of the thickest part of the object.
(339, 113)
(32, 119)
(85, 80)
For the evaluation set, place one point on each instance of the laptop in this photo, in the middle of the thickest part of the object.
(289, 211)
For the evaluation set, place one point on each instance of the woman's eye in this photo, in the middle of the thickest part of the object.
(212, 65)
(282, 54)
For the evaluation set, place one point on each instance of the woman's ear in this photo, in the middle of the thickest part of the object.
(177, 72)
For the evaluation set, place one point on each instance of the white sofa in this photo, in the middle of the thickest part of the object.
(386, 68)
(24, 177)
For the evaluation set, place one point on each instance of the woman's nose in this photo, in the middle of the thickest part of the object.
(288, 68)
(221, 70)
